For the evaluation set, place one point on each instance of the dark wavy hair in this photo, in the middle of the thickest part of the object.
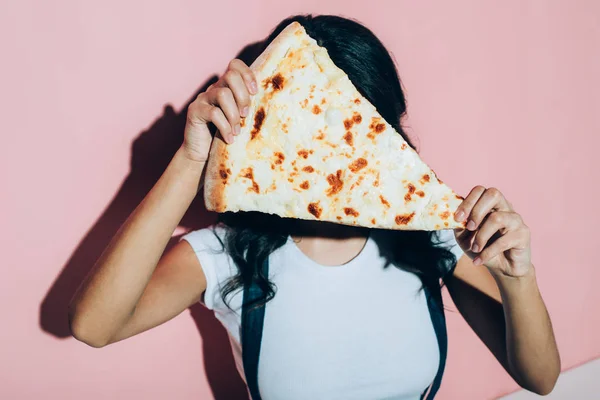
(251, 236)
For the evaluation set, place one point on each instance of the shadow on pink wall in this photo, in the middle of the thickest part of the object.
(151, 152)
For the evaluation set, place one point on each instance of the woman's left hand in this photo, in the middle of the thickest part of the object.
(495, 234)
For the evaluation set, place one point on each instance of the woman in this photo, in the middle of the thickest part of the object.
(342, 323)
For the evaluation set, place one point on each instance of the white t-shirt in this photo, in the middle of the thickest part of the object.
(355, 331)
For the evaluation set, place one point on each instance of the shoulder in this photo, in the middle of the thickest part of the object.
(209, 247)
(211, 238)
(445, 238)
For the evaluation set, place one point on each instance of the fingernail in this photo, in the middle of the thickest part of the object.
(471, 225)
(236, 129)
(459, 216)
(253, 87)
(477, 261)
(245, 112)
(475, 248)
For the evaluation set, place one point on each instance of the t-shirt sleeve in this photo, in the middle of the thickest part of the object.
(445, 238)
(217, 265)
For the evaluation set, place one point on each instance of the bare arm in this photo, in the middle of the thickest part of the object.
(108, 297)
(495, 289)
(509, 316)
(131, 287)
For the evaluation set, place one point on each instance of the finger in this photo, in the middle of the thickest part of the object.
(215, 115)
(235, 82)
(490, 200)
(464, 209)
(195, 120)
(514, 239)
(498, 222)
(246, 73)
(223, 98)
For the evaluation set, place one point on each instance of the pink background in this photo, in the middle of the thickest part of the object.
(504, 95)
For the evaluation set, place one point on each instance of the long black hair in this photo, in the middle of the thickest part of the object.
(251, 237)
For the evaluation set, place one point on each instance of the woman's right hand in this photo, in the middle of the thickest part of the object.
(223, 103)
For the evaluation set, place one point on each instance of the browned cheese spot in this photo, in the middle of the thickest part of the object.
(358, 182)
(420, 193)
(379, 128)
(374, 121)
(373, 221)
(351, 211)
(290, 54)
(404, 219)
(403, 146)
(384, 201)
(316, 109)
(357, 101)
(275, 81)
(305, 185)
(445, 224)
(303, 154)
(348, 123)
(223, 174)
(284, 127)
(357, 118)
(349, 138)
(323, 101)
(411, 188)
(376, 183)
(279, 158)
(445, 215)
(308, 169)
(315, 210)
(321, 135)
(304, 103)
(357, 165)
(242, 121)
(259, 118)
(339, 218)
(336, 183)
(426, 178)
(248, 173)
(290, 180)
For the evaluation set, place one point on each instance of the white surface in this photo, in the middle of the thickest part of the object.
(580, 383)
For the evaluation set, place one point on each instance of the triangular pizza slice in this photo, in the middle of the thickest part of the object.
(312, 147)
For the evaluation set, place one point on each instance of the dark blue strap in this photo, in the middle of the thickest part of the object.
(251, 334)
(438, 319)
